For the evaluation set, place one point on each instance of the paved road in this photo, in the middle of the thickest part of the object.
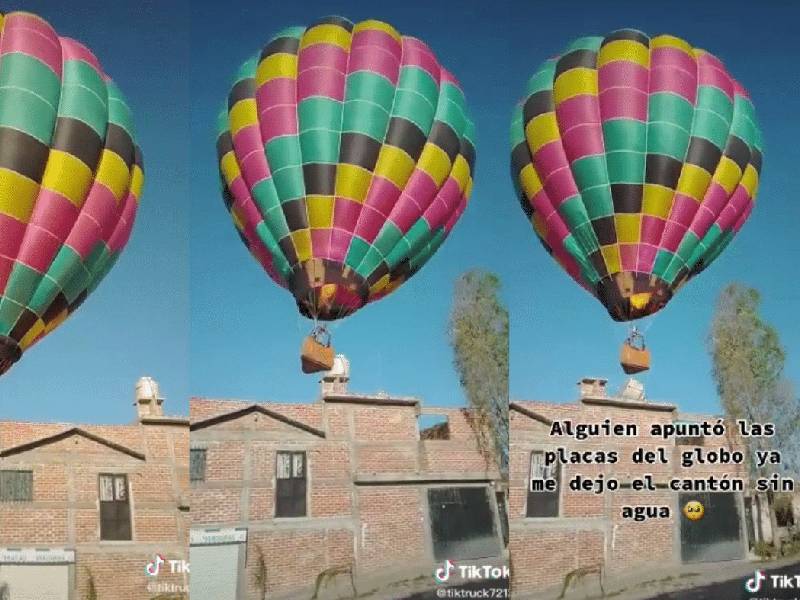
(733, 589)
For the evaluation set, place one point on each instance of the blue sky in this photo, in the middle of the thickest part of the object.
(245, 334)
(137, 321)
(239, 335)
(560, 333)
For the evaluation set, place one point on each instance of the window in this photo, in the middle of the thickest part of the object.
(115, 508)
(543, 503)
(197, 464)
(290, 484)
(16, 486)
(433, 427)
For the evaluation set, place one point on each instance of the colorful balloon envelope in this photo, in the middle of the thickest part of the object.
(346, 157)
(70, 179)
(637, 160)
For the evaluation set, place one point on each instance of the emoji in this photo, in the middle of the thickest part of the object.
(693, 510)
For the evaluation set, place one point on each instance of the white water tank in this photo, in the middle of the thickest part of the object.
(340, 369)
(633, 390)
(147, 390)
(335, 381)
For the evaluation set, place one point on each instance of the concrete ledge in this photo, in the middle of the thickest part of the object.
(636, 405)
(420, 478)
(283, 525)
(560, 523)
(379, 400)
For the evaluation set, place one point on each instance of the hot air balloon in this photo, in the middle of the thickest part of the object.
(70, 179)
(637, 160)
(346, 158)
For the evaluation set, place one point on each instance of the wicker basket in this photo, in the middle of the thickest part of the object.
(634, 360)
(316, 356)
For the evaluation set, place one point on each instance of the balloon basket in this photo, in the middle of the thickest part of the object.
(634, 357)
(316, 353)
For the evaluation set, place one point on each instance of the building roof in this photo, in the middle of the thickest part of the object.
(309, 414)
(29, 436)
(241, 411)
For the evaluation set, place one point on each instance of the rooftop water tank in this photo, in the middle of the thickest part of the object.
(340, 369)
(147, 390)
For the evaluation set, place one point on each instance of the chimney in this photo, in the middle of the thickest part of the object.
(593, 387)
(149, 402)
(334, 382)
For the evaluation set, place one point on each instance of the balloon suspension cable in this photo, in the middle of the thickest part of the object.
(635, 338)
(321, 334)
(648, 322)
(339, 311)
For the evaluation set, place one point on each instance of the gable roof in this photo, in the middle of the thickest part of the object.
(67, 433)
(255, 408)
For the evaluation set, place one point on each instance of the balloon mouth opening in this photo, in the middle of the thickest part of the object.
(628, 296)
(327, 290)
(10, 352)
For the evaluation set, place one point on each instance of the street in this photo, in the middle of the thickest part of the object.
(733, 589)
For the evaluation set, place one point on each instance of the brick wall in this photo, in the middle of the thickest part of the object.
(367, 475)
(590, 529)
(64, 511)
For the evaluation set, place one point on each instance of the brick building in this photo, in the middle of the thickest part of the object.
(84, 508)
(352, 490)
(555, 533)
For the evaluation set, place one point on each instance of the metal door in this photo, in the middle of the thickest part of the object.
(34, 582)
(215, 572)
(462, 523)
(718, 534)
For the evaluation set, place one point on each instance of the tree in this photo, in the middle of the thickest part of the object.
(748, 363)
(478, 331)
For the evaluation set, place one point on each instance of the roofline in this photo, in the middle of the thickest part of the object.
(165, 421)
(635, 404)
(211, 421)
(431, 480)
(529, 413)
(371, 399)
(609, 401)
(66, 434)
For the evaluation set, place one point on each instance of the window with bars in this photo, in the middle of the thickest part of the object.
(16, 486)
(543, 503)
(197, 464)
(290, 484)
(115, 508)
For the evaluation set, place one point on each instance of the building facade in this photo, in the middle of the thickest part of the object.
(343, 496)
(566, 531)
(85, 509)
